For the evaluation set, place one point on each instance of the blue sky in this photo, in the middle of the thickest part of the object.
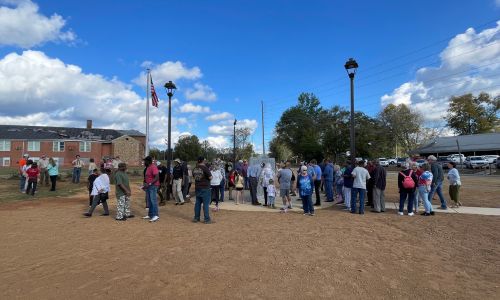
(75, 60)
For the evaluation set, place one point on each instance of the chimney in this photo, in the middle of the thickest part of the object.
(89, 124)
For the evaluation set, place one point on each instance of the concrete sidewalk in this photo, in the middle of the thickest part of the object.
(297, 207)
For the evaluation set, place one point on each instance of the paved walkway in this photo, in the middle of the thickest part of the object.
(297, 207)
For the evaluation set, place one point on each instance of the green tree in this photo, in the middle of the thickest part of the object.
(188, 148)
(403, 125)
(468, 114)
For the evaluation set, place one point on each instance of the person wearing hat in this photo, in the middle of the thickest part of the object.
(122, 193)
(202, 177)
(177, 176)
(151, 184)
(43, 163)
(77, 168)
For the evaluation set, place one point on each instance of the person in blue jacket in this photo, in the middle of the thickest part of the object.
(328, 176)
(305, 186)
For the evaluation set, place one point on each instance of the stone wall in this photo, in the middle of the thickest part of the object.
(129, 149)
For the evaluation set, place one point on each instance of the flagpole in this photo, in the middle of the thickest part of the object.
(148, 91)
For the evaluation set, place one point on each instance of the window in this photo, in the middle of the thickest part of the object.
(33, 145)
(58, 146)
(85, 146)
(4, 145)
(5, 162)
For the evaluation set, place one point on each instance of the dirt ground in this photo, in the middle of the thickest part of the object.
(49, 251)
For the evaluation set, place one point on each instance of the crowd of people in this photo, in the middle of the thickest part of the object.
(346, 185)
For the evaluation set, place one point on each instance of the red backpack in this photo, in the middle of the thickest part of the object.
(408, 182)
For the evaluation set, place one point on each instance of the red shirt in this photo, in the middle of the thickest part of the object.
(150, 175)
(32, 173)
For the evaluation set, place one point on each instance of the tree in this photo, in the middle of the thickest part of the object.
(243, 147)
(470, 115)
(279, 150)
(209, 152)
(188, 148)
(403, 125)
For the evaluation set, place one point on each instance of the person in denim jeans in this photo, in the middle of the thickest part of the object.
(424, 186)
(151, 184)
(202, 178)
(407, 192)
(305, 186)
(437, 181)
(361, 176)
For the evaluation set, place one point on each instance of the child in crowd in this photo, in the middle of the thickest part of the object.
(32, 174)
(90, 183)
(215, 183)
(239, 184)
(271, 193)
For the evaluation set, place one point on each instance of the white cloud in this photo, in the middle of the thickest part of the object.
(22, 25)
(468, 64)
(166, 71)
(226, 128)
(219, 117)
(191, 108)
(218, 141)
(201, 92)
(39, 90)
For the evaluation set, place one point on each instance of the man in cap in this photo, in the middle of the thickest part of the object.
(151, 184)
(122, 193)
(43, 163)
(177, 176)
(202, 178)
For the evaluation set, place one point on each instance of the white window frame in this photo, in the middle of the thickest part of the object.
(31, 144)
(58, 148)
(5, 145)
(87, 146)
(5, 161)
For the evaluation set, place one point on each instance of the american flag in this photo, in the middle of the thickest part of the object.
(154, 97)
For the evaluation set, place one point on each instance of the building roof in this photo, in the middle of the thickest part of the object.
(13, 132)
(468, 143)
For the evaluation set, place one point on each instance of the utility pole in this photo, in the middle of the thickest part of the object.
(263, 142)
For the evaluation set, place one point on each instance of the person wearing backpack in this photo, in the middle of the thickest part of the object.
(407, 183)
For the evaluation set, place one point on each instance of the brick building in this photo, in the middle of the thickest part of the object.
(64, 143)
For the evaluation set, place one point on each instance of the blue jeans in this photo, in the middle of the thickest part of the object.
(76, 175)
(202, 196)
(340, 190)
(354, 196)
(329, 189)
(424, 195)
(22, 183)
(222, 187)
(151, 194)
(439, 189)
(402, 198)
(247, 183)
(307, 204)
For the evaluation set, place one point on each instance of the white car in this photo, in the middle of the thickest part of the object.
(476, 162)
(392, 161)
(383, 162)
(458, 158)
(491, 158)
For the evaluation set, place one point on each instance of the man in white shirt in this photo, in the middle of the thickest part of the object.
(100, 191)
(360, 175)
(43, 163)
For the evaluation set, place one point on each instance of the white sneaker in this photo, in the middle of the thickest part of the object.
(400, 213)
(154, 219)
(410, 214)
(146, 217)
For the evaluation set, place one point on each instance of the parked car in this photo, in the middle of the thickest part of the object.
(492, 159)
(443, 161)
(420, 162)
(458, 158)
(392, 161)
(401, 161)
(383, 162)
(472, 162)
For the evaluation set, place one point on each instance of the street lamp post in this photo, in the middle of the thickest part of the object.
(351, 66)
(170, 87)
(234, 143)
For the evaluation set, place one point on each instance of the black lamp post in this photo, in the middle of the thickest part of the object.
(170, 87)
(234, 143)
(351, 66)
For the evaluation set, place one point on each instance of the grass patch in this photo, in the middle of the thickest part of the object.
(9, 189)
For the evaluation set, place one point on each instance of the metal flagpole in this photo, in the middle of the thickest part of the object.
(263, 141)
(148, 91)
